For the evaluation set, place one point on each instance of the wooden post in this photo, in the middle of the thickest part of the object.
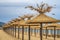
(40, 31)
(54, 33)
(18, 31)
(29, 32)
(15, 31)
(22, 32)
(46, 32)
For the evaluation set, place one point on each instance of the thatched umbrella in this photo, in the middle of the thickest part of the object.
(16, 23)
(19, 22)
(23, 23)
(12, 25)
(5, 25)
(53, 26)
(42, 18)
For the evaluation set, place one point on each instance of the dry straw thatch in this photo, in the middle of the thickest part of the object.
(43, 18)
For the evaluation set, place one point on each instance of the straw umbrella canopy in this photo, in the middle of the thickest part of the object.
(5, 25)
(23, 22)
(15, 21)
(24, 25)
(42, 18)
(52, 25)
(20, 21)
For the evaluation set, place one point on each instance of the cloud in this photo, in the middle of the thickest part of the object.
(15, 1)
(9, 0)
(13, 4)
(19, 1)
(13, 8)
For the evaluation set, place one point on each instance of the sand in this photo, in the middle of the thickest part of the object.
(33, 37)
(5, 36)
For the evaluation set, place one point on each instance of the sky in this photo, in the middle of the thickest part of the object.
(11, 9)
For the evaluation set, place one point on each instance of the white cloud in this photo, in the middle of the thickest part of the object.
(28, 1)
(14, 0)
(18, 1)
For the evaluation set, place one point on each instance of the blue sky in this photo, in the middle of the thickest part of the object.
(10, 9)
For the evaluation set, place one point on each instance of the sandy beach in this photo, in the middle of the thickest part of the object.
(33, 37)
(5, 36)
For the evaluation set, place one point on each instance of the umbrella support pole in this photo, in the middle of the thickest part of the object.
(54, 33)
(22, 32)
(46, 32)
(18, 31)
(40, 31)
(29, 32)
(15, 31)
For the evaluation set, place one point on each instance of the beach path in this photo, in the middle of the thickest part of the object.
(5, 36)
